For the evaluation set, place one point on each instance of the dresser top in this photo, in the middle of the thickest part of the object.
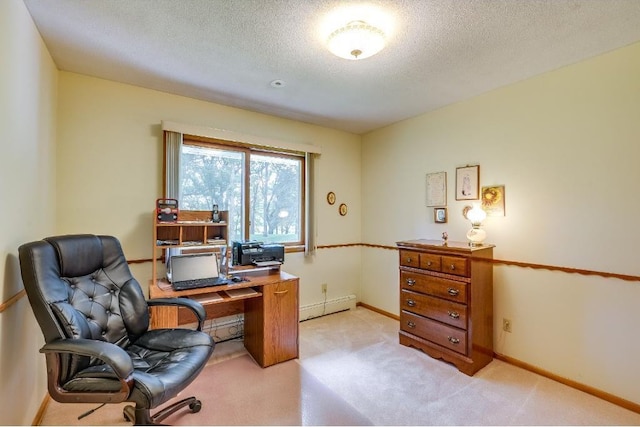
(439, 245)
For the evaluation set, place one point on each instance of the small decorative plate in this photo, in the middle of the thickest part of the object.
(331, 197)
(343, 209)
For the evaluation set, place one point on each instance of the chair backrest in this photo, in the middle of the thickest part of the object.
(80, 286)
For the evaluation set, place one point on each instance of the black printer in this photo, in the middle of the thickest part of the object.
(253, 252)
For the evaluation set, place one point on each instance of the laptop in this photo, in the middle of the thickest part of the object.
(195, 271)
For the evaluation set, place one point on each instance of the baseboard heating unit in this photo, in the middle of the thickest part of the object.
(347, 302)
(230, 327)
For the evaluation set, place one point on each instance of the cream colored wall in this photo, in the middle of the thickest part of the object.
(562, 143)
(27, 183)
(110, 172)
(565, 145)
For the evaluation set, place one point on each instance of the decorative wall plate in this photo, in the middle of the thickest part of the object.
(331, 197)
(343, 209)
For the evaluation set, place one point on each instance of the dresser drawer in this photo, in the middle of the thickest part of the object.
(430, 262)
(446, 336)
(439, 287)
(443, 264)
(410, 259)
(448, 312)
(454, 265)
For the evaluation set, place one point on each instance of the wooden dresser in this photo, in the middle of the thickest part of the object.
(446, 301)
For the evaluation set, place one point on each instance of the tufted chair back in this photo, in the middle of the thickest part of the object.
(82, 288)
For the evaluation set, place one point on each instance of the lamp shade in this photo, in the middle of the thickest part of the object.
(476, 215)
(356, 40)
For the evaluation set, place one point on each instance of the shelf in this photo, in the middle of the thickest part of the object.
(194, 231)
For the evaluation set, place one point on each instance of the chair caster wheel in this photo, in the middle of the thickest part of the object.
(195, 406)
(129, 413)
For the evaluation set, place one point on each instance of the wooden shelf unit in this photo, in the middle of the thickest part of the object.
(194, 231)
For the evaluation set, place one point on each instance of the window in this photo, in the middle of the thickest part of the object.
(262, 190)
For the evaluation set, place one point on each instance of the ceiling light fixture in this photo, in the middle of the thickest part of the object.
(356, 40)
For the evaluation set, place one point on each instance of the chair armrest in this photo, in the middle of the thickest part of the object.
(109, 353)
(114, 356)
(193, 305)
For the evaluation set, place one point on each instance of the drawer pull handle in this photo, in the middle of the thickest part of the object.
(408, 260)
(429, 263)
(411, 324)
(281, 292)
(454, 314)
(453, 340)
(453, 292)
(411, 303)
(411, 282)
(452, 267)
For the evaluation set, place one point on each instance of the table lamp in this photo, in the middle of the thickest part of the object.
(476, 235)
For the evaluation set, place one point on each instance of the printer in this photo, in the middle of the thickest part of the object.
(257, 253)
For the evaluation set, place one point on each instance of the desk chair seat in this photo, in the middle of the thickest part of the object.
(95, 321)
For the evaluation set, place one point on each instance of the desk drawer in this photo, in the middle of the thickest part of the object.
(439, 287)
(448, 312)
(446, 336)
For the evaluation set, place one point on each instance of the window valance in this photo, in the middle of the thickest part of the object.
(228, 135)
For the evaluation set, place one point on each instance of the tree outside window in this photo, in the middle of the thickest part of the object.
(272, 194)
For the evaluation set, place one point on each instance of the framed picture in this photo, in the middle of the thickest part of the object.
(468, 183)
(440, 215)
(493, 200)
(437, 189)
(331, 197)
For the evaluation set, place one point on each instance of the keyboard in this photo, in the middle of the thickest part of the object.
(199, 283)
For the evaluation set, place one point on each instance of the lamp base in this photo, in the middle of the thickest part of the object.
(476, 236)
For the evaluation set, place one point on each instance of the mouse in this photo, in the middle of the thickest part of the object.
(236, 279)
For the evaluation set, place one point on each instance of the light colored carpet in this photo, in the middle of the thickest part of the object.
(352, 371)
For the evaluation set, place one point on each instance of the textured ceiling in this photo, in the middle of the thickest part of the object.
(228, 51)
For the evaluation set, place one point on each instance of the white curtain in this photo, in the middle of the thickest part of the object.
(310, 245)
(173, 150)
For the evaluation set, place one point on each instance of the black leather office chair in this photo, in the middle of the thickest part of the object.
(95, 322)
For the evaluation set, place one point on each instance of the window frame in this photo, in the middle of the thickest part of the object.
(248, 149)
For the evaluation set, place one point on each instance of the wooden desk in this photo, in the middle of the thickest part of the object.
(270, 317)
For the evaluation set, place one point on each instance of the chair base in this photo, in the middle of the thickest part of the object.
(143, 417)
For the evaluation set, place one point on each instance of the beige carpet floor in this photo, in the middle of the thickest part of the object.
(352, 371)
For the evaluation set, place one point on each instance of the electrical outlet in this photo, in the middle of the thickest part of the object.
(506, 325)
(324, 288)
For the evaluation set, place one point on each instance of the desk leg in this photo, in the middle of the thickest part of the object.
(165, 316)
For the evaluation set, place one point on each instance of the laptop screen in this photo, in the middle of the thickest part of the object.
(193, 266)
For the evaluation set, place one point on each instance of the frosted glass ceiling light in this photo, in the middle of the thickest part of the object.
(356, 40)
